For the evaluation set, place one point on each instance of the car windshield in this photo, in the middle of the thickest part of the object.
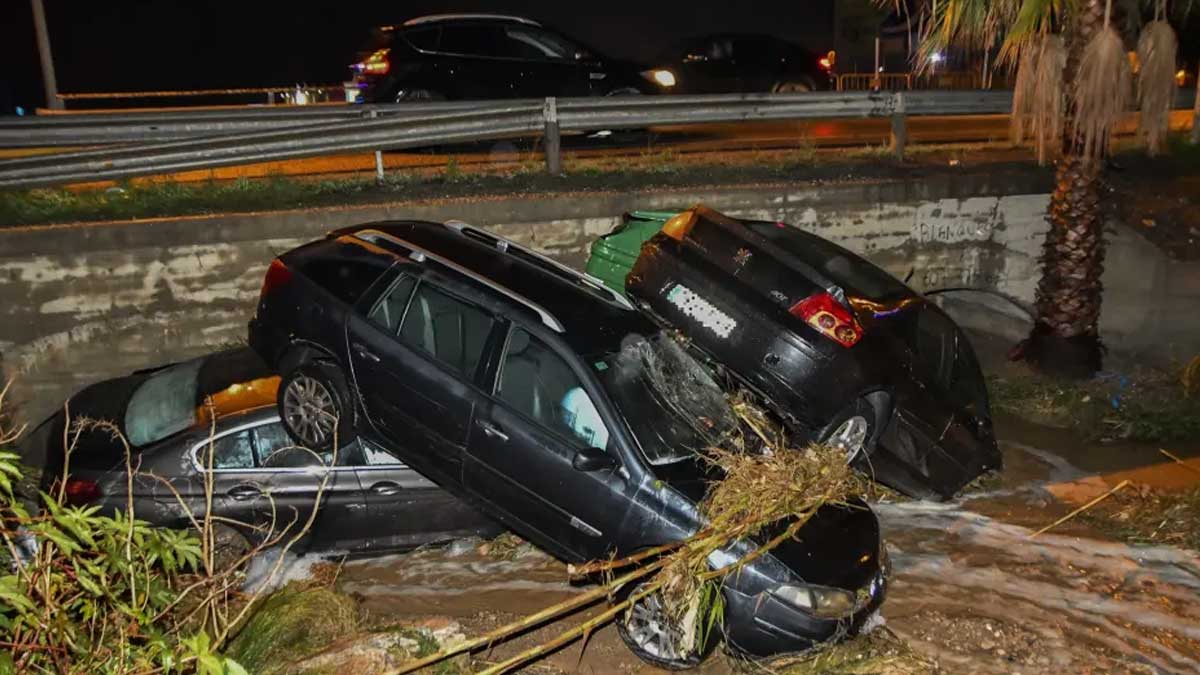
(164, 404)
(672, 404)
(854, 274)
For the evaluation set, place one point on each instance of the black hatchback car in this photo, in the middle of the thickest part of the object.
(741, 62)
(531, 389)
(488, 56)
(843, 351)
(263, 486)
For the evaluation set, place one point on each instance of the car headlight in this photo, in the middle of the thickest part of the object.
(821, 601)
(661, 77)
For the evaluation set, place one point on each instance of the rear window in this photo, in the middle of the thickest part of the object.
(163, 405)
(346, 272)
(854, 274)
(425, 39)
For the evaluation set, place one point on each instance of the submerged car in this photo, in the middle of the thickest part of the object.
(215, 416)
(841, 350)
(488, 56)
(538, 393)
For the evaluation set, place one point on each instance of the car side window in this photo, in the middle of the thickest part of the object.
(389, 309)
(276, 450)
(538, 383)
(231, 451)
(448, 329)
(375, 455)
(470, 40)
(425, 39)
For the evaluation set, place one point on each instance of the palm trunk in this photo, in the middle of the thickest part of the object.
(1066, 339)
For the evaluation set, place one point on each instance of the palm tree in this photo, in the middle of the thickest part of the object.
(1073, 82)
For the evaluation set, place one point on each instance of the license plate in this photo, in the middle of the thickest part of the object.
(702, 311)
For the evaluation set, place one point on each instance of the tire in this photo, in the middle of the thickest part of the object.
(641, 630)
(312, 398)
(855, 430)
(793, 87)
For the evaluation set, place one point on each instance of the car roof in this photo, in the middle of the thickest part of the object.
(447, 18)
(593, 319)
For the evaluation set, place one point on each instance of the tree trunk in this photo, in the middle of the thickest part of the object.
(1066, 338)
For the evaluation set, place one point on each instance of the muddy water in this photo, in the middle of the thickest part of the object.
(969, 588)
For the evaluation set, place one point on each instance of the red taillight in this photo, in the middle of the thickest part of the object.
(78, 491)
(829, 318)
(278, 275)
(375, 64)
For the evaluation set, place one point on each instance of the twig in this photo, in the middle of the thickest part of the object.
(532, 619)
(570, 635)
(1182, 463)
(1081, 509)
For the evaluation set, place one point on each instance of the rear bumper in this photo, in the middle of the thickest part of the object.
(761, 626)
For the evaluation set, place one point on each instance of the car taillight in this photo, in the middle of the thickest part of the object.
(278, 275)
(829, 317)
(375, 64)
(78, 491)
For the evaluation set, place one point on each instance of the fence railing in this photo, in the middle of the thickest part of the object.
(950, 80)
(262, 135)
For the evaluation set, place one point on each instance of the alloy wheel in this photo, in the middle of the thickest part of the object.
(309, 409)
(850, 436)
(648, 626)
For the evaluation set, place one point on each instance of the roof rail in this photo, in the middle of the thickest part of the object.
(420, 255)
(435, 18)
(503, 244)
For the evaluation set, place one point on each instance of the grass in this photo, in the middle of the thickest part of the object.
(1143, 404)
(647, 168)
(879, 652)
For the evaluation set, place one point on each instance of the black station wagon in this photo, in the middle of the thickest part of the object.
(538, 393)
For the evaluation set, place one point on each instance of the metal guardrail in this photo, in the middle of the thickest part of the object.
(296, 133)
(310, 93)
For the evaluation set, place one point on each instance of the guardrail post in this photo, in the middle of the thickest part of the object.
(378, 155)
(1195, 137)
(899, 125)
(551, 137)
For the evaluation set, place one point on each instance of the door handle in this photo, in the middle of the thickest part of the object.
(491, 431)
(244, 492)
(365, 353)
(386, 488)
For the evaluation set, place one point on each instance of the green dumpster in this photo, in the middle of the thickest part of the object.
(613, 255)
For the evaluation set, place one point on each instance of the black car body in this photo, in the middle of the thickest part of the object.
(825, 337)
(739, 62)
(486, 56)
(262, 485)
(520, 384)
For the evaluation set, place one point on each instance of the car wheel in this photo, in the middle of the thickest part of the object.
(229, 547)
(315, 406)
(792, 87)
(656, 639)
(416, 95)
(853, 430)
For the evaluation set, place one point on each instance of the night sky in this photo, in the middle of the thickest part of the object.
(107, 45)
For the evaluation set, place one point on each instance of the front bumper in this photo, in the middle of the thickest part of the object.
(761, 625)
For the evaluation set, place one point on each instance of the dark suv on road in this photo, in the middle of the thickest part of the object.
(488, 56)
(539, 394)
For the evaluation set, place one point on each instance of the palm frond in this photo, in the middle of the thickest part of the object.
(1156, 51)
(1038, 101)
(1101, 93)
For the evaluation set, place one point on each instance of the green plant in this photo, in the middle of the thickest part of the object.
(108, 593)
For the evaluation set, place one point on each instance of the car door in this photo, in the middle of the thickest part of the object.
(406, 509)
(419, 373)
(521, 454)
(474, 64)
(547, 64)
(264, 485)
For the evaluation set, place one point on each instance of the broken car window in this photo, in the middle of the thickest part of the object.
(232, 451)
(673, 406)
(163, 405)
(538, 383)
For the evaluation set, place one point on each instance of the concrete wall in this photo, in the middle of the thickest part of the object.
(81, 302)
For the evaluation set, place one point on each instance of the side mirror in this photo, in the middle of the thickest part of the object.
(593, 459)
